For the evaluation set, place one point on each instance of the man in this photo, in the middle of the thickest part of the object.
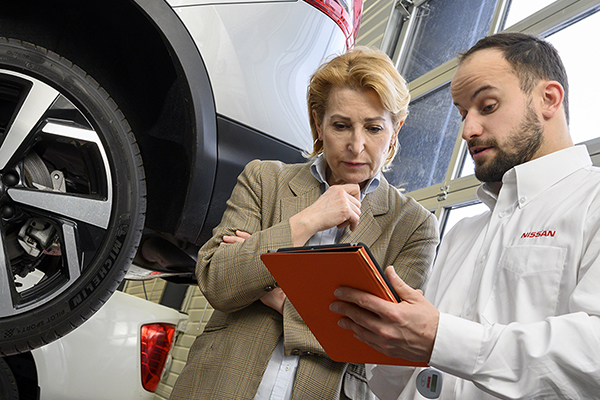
(512, 306)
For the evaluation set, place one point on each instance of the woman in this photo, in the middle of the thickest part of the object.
(255, 344)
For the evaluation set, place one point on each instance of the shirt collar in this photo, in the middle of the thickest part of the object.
(318, 170)
(535, 176)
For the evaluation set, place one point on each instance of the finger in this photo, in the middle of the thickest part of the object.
(242, 234)
(402, 289)
(363, 331)
(357, 315)
(227, 239)
(354, 200)
(354, 301)
(373, 339)
(353, 189)
(352, 221)
(353, 216)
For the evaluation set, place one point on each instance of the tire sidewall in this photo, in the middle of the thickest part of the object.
(95, 285)
(8, 384)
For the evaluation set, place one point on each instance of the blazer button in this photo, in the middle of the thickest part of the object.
(295, 352)
(269, 288)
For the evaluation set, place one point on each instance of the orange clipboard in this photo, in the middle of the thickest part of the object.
(309, 276)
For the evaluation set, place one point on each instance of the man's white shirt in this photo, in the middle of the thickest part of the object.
(518, 290)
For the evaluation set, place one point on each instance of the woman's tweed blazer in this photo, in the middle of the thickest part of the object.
(228, 359)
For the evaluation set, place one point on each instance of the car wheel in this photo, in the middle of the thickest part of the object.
(72, 196)
(8, 385)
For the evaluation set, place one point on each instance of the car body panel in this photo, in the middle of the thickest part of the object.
(188, 3)
(101, 359)
(259, 79)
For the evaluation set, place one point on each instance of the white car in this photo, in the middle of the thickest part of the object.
(124, 124)
(120, 353)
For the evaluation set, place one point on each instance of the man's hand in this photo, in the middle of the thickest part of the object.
(406, 329)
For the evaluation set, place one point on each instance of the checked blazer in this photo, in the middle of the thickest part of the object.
(228, 359)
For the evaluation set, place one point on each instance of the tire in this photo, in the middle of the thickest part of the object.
(72, 196)
(8, 384)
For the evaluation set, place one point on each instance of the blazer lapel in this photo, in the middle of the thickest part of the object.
(368, 229)
(304, 191)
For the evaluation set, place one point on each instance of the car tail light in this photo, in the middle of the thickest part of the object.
(156, 341)
(345, 13)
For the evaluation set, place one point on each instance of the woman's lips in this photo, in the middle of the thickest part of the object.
(353, 164)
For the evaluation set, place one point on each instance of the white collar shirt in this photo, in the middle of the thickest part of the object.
(518, 290)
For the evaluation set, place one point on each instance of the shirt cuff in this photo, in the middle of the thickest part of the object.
(457, 345)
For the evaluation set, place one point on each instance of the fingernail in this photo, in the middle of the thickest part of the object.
(333, 307)
(342, 324)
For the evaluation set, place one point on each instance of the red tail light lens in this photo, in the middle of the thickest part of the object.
(339, 13)
(156, 341)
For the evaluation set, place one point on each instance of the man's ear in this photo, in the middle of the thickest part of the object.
(553, 95)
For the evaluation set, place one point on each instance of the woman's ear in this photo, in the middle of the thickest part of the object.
(317, 125)
(397, 130)
(553, 95)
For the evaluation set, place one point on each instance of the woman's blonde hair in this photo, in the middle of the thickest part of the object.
(358, 69)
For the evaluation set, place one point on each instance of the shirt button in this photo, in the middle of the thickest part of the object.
(522, 200)
(468, 311)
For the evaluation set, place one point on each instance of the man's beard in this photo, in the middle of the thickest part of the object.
(524, 142)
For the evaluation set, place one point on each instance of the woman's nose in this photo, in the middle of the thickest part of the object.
(356, 143)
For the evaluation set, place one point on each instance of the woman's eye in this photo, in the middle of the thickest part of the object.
(374, 129)
(339, 126)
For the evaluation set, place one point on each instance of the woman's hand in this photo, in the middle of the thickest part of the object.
(338, 206)
(239, 237)
(275, 298)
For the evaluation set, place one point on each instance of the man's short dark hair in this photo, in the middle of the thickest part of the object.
(531, 58)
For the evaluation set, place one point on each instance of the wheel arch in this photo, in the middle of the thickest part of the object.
(143, 55)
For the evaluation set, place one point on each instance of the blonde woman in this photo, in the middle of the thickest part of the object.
(256, 346)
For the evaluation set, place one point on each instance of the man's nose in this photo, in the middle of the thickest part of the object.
(471, 128)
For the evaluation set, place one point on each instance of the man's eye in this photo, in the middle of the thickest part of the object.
(489, 108)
